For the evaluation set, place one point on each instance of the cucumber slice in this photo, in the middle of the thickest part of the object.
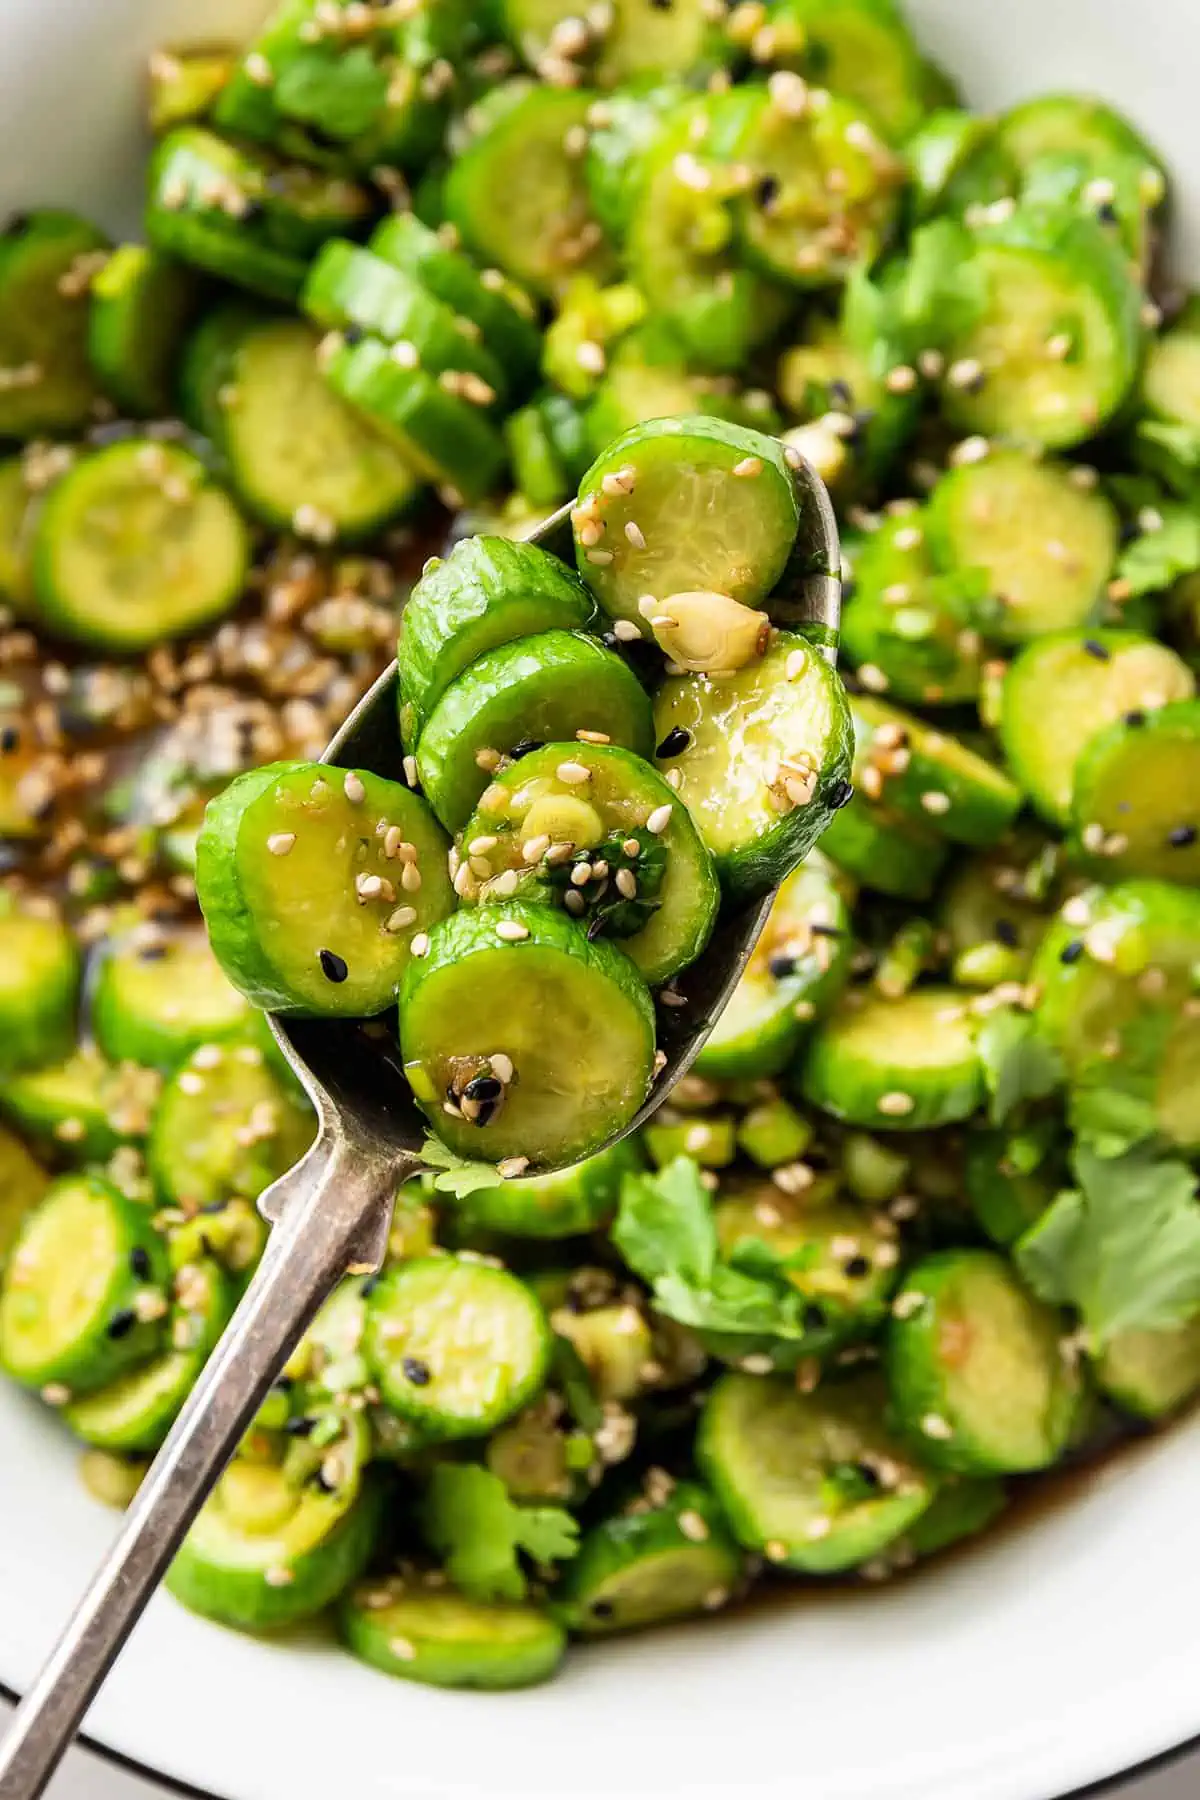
(267, 1551)
(924, 774)
(82, 1108)
(136, 544)
(15, 511)
(710, 1142)
(995, 909)
(649, 1567)
(39, 985)
(23, 1182)
(133, 1414)
(441, 436)
(440, 1637)
(901, 1065)
(961, 1509)
(585, 845)
(298, 846)
(1006, 1196)
(1075, 124)
(889, 854)
(795, 973)
(183, 85)
(539, 477)
(487, 592)
(1042, 546)
(577, 1043)
(502, 313)
(206, 364)
(640, 38)
(1151, 1373)
(351, 289)
(545, 688)
(244, 215)
(622, 133)
(815, 1481)
(977, 1369)
(1119, 1009)
(767, 759)
(47, 262)
(82, 1295)
(155, 1000)
(142, 304)
(226, 1126)
(843, 369)
(1049, 276)
(1137, 795)
(860, 48)
(819, 186)
(519, 196)
(566, 1203)
(955, 163)
(915, 626)
(299, 458)
(1062, 690)
(650, 375)
(1170, 397)
(456, 1347)
(680, 506)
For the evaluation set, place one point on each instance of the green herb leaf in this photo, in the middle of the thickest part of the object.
(458, 1175)
(341, 92)
(1110, 1120)
(665, 1226)
(1157, 559)
(1018, 1064)
(1123, 1248)
(470, 1520)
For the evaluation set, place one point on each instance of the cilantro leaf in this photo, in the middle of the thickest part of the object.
(340, 92)
(1123, 1248)
(665, 1224)
(470, 1520)
(458, 1176)
(1155, 560)
(1018, 1064)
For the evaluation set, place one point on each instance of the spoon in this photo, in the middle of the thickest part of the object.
(332, 1211)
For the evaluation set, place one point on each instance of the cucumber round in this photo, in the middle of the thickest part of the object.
(976, 1367)
(916, 626)
(795, 972)
(758, 742)
(455, 1346)
(860, 48)
(82, 1108)
(642, 38)
(487, 592)
(890, 854)
(39, 985)
(155, 1001)
(929, 776)
(1137, 785)
(182, 86)
(992, 921)
(545, 688)
(442, 1638)
(658, 894)
(955, 162)
(646, 1568)
(1151, 1374)
(82, 1295)
(897, 1065)
(664, 511)
(136, 544)
(565, 1203)
(296, 847)
(142, 304)
(1006, 1198)
(961, 1509)
(1063, 124)
(225, 1126)
(1043, 547)
(579, 1035)
(46, 265)
(1063, 689)
(23, 1181)
(816, 1482)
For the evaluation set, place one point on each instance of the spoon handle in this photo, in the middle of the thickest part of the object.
(338, 1204)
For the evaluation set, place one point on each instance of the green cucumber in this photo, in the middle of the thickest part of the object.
(887, 853)
(572, 1049)
(622, 132)
(639, 39)
(183, 85)
(83, 1108)
(1151, 1374)
(1135, 798)
(915, 626)
(860, 48)
(23, 1182)
(651, 1564)
(925, 774)
(1074, 124)
(900, 1065)
(650, 375)
(994, 909)
(565, 1203)
(440, 1637)
(142, 304)
(226, 1126)
(155, 999)
(47, 263)
(39, 984)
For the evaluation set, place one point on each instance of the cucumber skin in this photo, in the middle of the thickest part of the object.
(155, 1046)
(940, 1097)
(565, 1204)
(892, 856)
(26, 413)
(441, 1663)
(138, 287)
(983, 801)
(46, 1030)
(206, 243)
(243, 1599)
(623, 1541)
(235, 942)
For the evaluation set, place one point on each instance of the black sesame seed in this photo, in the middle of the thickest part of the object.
(1182, 838)
(780, 967)
(1135, 718)
(1129, 530)
(840, 794)
(826, 931)
(525, 747)
(139, 1264)
(484, 1111)
(857, 1267)
(10, 737)
(1005, 932)
(369, 1286)
(353, 334)
(813, 1318)
(122, 1323)
(253, 209)
(1094, 648)
(602, 1609)
(213, 1206)
(1107, 214)
(767, 191)
(675, 742)
(416, 1371)
(483, 1087)
(867, 1475)
(152, 952)
(333, 967)
(841, 394)
(14, 223)
(1071, 953)
(285, 1383)
(302, 1427)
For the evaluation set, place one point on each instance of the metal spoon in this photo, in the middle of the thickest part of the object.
(331, 1215)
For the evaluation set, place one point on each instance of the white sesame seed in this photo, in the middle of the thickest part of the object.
(970, 450)
(934, 1426)
(1058, 347)
(355, 792)
(191, 1083)
(279, 1577)
(693, 1526)
(901, 380)
(795, 665)
(648, 606)
(502, 1066)
(506, 884)
(512, 1166)
(403, 1649)
(420, 944)
(627, 883)
(935, 801)
(896, 1104)
(401, 918)
(775, 1551)
(258, 69)
(481, 845)
(873, 678)
(789, 93)
(635, 535)
(280, 842)
(511, 931)
(410, 878)
(1152, 316)
(909, 538)
(464, 881)
(659, 819)
(625, 630)
(56, 1394)
(405, 355)
(908, 1304)
(573, 773)
(534, 848)
(581, 874)
(600, 558)
(749, 467)
(591, 358)
(371, 887)
(593, 737)
(1084, 477)
(965, 373)
(932, 364)
(488, 760)
(410, 771)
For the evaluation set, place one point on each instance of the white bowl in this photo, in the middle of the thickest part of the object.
(1053, 1657)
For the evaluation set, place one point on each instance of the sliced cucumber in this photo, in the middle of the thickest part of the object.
(134, 1413)
(773, 1133)
(927, 775)
(23, 1182)
(816, 1481)
(899, 1065)
(15, 511)
(955, 163)
(456, 1346)
(892, 855)
(860, 48)
(796, 970)
(1050, 277)
(843, 369)
(680, 506)
(1116, 980)
(961, 1509)
(183, 84)
(487, 592)
(226, 1126)
(39, 985)
(297, 848)
(995, 909)
(155, 1000)
(977, 1368)
(1074, 124)
(519, 196)
(639, 39)
(566, 1203)
(651, 375)
(82, 1108)
(767, 759)
(915, 626)
(142, 304)
(82, 1295)
(584, 843)
(1137, 795)
(576, 1042)
(440, 1637)
(648, 1566)
(47, 262)
(1151, 1373)
(545, 688)
(1061, 690)
(622, 133)
(136, 544)
(1042, 546)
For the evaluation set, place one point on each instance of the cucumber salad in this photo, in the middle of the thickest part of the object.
(921, 1225)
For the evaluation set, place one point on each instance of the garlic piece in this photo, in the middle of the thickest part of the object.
(709, 631)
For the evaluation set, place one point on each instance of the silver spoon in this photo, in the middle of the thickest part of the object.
(331, 1215)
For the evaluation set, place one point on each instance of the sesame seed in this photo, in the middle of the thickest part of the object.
(403, 1649)
(575, 903)
(401, 918)
(333, 967)
(593, 737)
(970, 450)
(279, 1577)
(581, 874)
(405, 355)
(775, 1551)
(600, 558)
(55, 1394)
(901, 380)
(502, 1066)
(872, 677)
(635, 535)
(150, 1305)
(420, 944)
(908, 1304)
(618, 482)
(280, 842)
(934, 801)
(410, 771)
(410, 878)
(749, 467)
(511, 931)
(896, 1104)
(355, 792)
(1152, 316)
(625, 631)
(627, 883)
(464, 881)
(934, 1426)
(790, 93)
(693, 1526)
(573, 773)
(591, 357)
(660, 818)
(510, 1167)
(1182, 837)
(258, 69)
